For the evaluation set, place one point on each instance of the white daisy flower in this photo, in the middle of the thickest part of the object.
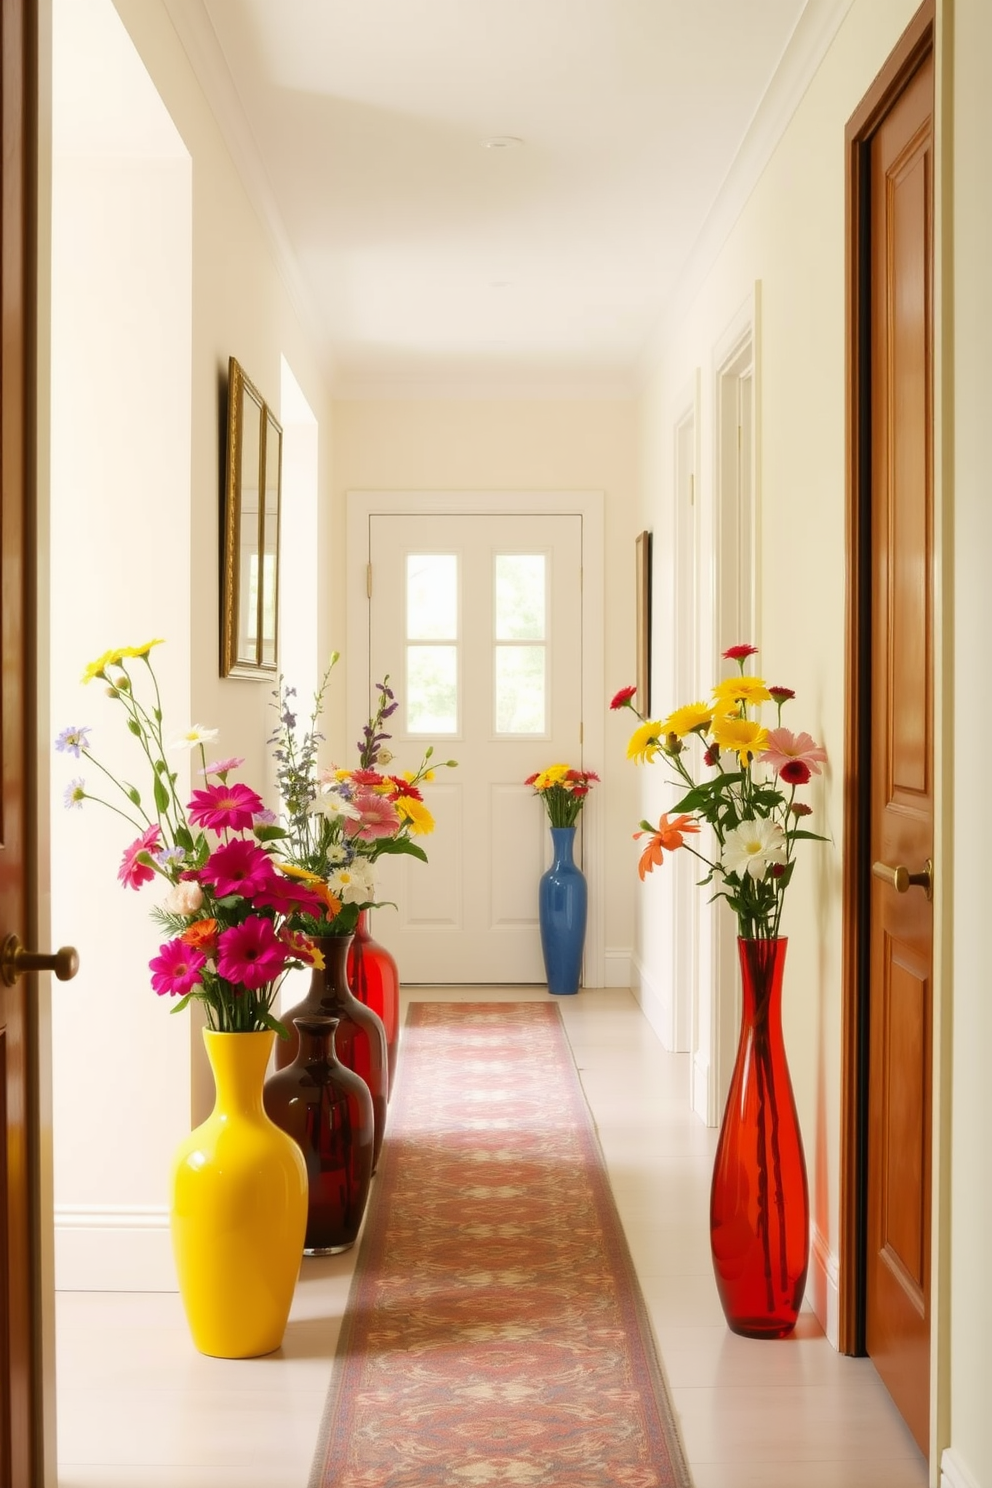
(194, 735)
(753, 846)
(353, 884)
(332, 804)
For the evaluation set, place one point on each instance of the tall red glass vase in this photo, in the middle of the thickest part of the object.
(759, 1202)
(375, 980)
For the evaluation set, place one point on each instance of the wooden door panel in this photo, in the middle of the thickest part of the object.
(20, 1453)
(902, 805)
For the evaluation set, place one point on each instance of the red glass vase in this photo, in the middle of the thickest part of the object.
(327, 1110)
(360, 1040)
(375, 980)
(759, 1202)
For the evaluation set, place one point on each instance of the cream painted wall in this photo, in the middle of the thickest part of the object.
(437, 445)
(142, 553)
(790, 240)
(968, 1462)
(241, 307)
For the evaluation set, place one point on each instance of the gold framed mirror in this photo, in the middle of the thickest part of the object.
(252, 497)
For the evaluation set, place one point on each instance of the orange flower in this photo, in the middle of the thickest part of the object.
(668, 836)
(202, 934)
(332, 901)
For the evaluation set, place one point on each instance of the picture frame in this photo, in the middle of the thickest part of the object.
(642, 610)
(250, 546)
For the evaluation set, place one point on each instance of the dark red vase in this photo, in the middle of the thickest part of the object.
(327, 1111)
(374, 978)
(759, 1202)
(360, 1040)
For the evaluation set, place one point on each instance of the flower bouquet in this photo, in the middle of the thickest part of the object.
(748, 799)
(339, 821)
(229, 905)
(563, 791)
(759, 1203)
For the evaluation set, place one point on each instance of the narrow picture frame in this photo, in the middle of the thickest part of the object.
(250, 545)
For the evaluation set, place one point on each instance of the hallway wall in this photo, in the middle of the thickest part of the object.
(114, 1045)
(967, 1033)
(789, 241)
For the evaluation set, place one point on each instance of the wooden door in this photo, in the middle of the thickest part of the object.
(477, 620)
(20, 1465)
(901, 810)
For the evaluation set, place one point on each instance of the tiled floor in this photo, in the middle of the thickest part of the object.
(139, 1407)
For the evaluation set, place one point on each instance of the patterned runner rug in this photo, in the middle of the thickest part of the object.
(495, 1332)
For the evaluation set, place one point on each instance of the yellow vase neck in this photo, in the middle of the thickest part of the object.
(238, 1062)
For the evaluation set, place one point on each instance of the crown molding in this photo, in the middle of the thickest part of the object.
(200, 42)
(484, 388)
(805, 50)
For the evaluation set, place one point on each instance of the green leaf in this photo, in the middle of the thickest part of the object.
(394, 845)
(270, 833)
(183, 1002)
(161, 794)
(273, 1023)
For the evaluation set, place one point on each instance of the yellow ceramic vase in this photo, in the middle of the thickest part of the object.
(239, 1209)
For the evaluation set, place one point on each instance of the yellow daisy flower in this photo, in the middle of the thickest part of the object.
(645, 742)
(416, 813)
(99, 667)
(745, 737)
(553, 775)
(733, 691)
(686, 720)
(141, 652)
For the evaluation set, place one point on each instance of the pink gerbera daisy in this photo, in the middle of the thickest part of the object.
(288, 896)
(176, 969)
(221, 767)
(239, 867)
(783, 746)
(379, 817)
(133, 873)
(225, 806)
(251, 954)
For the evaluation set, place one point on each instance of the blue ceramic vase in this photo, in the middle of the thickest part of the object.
(562, 901)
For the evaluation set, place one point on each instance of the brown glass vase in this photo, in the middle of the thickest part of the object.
(327, 1110)
(360, 1041)
(374, 978)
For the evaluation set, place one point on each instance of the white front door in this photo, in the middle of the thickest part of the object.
(477, 621)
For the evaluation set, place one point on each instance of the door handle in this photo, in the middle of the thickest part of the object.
(902, 880)
(15, 961)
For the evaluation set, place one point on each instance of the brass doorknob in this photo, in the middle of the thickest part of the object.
(902, 880)
(15, 961)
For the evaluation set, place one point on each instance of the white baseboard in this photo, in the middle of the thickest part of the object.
(953, 1473)
(823, 1286)
(111, 1248)
(617, 969)
(702, 1101)
(654, 1005)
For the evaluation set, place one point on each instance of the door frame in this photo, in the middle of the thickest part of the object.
(589, 505)
(921, 36)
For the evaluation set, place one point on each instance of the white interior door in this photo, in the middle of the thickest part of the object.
(477, 621)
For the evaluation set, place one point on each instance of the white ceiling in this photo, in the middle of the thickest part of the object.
(425, 261)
